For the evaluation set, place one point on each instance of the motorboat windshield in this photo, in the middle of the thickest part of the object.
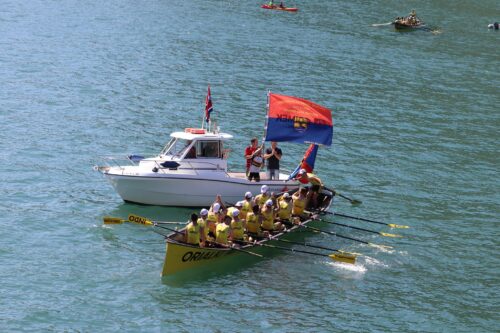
(176, 147)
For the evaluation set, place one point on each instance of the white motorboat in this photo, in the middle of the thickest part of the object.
(190, 171)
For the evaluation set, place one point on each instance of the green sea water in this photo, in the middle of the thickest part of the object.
(416, 132)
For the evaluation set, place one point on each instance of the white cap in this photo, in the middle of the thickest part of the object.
(236, 212)
(286, 195)
(203, 212)
(248, 195)
(269, 202)
(302, 171)
(216, 207)
(264, 189)
(238, 204)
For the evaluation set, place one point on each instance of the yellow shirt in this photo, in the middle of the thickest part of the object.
(285, 211)
(193, 234)
(253, 224)
(261, 199)
(313, 179)
(237, 228)
(222, 232)
(213, 217)
(247, 208)
(299, 205)
(268, 222)
(203, 224)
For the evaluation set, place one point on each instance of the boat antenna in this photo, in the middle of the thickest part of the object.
(267, 118)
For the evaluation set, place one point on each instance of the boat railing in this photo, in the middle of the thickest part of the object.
(187, 165)
(116, 161)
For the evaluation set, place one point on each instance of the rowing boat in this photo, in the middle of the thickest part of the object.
(274, 7)
(181, 257)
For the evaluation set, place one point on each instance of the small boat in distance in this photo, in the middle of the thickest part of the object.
(410, 22)
(281, 6)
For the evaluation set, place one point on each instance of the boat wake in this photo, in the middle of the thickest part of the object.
(381, 24)
(348, 267)
(374, 262)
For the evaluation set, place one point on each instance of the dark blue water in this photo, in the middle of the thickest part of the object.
(415, 138)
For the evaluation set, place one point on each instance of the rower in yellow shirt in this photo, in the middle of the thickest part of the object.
(237, 227)
(300, 203)
(247, 205)
(268, 218)
(194, 232)
(253, 222)
(264, 195)
(285, 207)
(223, 231)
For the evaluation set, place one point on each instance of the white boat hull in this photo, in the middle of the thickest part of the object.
(189, 189)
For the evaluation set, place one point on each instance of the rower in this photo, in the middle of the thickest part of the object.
(215, 215)
(218, 201)
(253, 222)
(299, 202)
(261, 199)
(223, 231)
(237, 206)
(193, 232)
(237, 227)
(285, 207)
(208, 225)
(247, 205)
(316, 183)
(268, 215)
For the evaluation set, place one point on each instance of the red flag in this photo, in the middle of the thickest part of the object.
(208, 105)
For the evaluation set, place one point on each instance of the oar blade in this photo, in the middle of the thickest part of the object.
(343, 257)
(112, 220)
(398, 226)
(355, 202)
(139, 220)
(390, 235)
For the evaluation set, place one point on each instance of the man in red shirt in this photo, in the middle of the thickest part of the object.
(250, 152)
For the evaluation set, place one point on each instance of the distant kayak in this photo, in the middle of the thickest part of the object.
(286, 9)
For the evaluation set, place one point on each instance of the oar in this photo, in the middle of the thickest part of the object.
(117, 220)
(341, 257)
(352, 201)
(362, 229)
(346, 237)
(224, 245)
(368, 220)
(315, 246)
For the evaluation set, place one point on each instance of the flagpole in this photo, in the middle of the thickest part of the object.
(267, 117)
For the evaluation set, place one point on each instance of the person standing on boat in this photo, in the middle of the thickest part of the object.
(261, 199)
(273, 157)
(255, 166)
(250, 152)
(194, 232)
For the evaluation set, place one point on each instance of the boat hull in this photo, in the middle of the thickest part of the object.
(285, 9)
(189, 190)
(403, 26)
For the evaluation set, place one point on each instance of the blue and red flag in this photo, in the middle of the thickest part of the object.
(307, 162)
(208, 105)
(298, 120)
